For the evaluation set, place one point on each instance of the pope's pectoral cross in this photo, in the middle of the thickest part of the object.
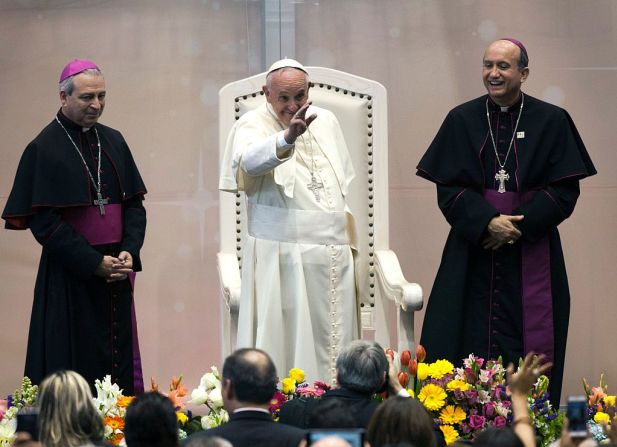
(315, 186)
(100, 202)
(501, 177)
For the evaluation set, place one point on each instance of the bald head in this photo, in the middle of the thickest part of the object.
(501, 72)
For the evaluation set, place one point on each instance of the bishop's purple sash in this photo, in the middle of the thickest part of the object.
(538, 335)
(107, 229)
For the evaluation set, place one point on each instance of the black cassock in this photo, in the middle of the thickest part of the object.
(515, 299)
(79, 321)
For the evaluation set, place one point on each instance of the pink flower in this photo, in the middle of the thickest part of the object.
(499, 422)
(489, 410)
(322, 385)
(477, 422)
(277, 401)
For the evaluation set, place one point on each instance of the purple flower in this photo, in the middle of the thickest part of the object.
(489, 409)
(477, 422)
(472, 396)
(499, 421)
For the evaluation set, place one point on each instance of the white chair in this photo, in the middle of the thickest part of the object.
(387, 300)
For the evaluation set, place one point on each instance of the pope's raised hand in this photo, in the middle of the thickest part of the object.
(299, 123)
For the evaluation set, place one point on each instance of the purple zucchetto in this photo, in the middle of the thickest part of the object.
(76, 66)
(518, 43)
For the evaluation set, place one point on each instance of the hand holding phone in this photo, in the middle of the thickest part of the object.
(577, 416)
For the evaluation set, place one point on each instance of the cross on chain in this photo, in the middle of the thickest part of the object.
(100, 202)
(501, 177)
(315, 186)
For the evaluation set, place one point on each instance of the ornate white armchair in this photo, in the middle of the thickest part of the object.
(387, 300)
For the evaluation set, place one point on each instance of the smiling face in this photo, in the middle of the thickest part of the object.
(286, 90)
(85, 104)
(501, 74)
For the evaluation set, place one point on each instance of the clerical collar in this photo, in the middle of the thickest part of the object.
(493, 106)
(71, 124)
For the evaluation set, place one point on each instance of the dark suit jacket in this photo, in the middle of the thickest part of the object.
(296, 412)
(255, 429)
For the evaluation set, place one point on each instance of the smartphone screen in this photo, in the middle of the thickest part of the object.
(354, 436)
(577, 416)
(28, 421)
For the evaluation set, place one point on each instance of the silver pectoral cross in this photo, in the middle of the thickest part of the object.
(315, 186)
(100, 202)
(501, 177)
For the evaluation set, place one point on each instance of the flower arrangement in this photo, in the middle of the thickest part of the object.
(601, 408)
(464, 401)
(294, 386)
(209, 393)
(24, 396)
(111, 404)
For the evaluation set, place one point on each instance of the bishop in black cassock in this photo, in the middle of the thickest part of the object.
(78, 190)
(507, 168)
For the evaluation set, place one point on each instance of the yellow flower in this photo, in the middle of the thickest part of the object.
(457, 385)
(297, 374)
(609, 401)
(289, 385)
(432, 396)
(452, 415)
(124, 401)
(411, 393)
(182, 417)
(602, 418)
(423, 371)
(440, 368)
(449, 433)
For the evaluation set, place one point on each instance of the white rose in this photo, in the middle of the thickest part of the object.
(224, 416)
(216, 398)
(199, 396)
(208, 422)
(209, 381)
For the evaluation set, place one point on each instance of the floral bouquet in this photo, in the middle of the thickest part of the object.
(600, 410)
(209, 393)
(464, 401)
(295, 386)
(111, 404)
(25, 396)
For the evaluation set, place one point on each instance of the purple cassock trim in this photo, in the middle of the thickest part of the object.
(538, 335)
(107, 229)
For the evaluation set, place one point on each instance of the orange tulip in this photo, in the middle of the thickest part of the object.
(413, 367)
(405, 357)
(420, 353)
(403, 379)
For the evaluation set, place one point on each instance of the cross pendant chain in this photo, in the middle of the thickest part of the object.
(100, 202)
(315, 186)
(501, 177)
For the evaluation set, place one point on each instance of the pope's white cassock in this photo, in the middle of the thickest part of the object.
(298, 300)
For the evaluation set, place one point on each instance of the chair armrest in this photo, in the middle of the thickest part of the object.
(406, 294)
(229, 276)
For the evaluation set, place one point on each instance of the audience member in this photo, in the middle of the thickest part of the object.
(401, 420)
(498, 437)
(151, 421)
(333, 413)
(67, 415)
(362, 370)
(248, 383)
(206, 441)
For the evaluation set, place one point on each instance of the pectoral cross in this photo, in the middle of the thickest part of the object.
(100, 202)
(315, 186)
(501, 177)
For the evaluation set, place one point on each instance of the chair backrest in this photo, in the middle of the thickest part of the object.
(360, 105)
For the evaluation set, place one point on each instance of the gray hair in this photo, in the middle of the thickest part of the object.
(66, 86)
(67, 413)
(362, 366)
(282, 70)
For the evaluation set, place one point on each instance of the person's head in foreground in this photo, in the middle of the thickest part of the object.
(67, 415)
(249, 379)
(401, 419)
(151, 421)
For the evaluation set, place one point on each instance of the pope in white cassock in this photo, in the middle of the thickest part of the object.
(298, 300)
